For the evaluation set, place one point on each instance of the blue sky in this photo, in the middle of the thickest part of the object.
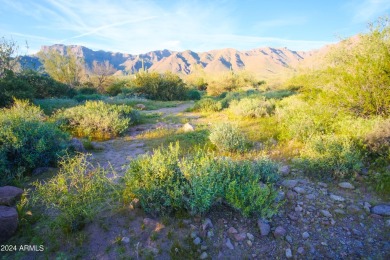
(138, 26)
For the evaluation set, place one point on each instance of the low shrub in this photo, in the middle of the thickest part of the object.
(252, 107)
(97, 119)
(164, 182)
(50, 105)
(331, 156)
(228, 138)
(85, 97)
(193, 94)
(27, 141)
(76, 194)
(87, 90)
(207, 105)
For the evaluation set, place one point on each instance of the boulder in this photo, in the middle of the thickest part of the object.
(280, 232)
(188, 127)
(381, 209)
(77, 145)
(284, 170)
(8, 222)
(9, 195)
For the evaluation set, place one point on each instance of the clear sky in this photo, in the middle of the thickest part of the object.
(139, 26)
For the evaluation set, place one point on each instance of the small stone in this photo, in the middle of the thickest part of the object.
(332, 221)
(194, 234)
(203, 248)
(232, 230)
(382, 209)
(203, 255)
(229, 244)
(326, 213)
(293, 216)
(291, 195)
(249, 243)
(298, 209)
(289, 239)
(279, 232)
(289, 183)
(289, 253)
(284, 170)
(280, 196)
(388, 223)
(346, 185)
(367, 207)
(353, 209)
(336, 198)
(305, 235)
(250, 236)
(299, 190)
(240, 237)
(210, 233)
(323, 185)
(301, 250)
(188, 127)
(197, 241)
(324, 244)
(207, 224)
(9, 195)
(264, 227)
(310, 196)
(125, 240)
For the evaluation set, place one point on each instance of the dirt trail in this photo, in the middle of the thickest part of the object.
(118, 152)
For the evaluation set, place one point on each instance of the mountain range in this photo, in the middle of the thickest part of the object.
(263, 62)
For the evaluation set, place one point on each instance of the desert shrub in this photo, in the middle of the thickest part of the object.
(27, 141)
(378, 140)
(76, 194)
(12, 86)
(193, 94)
(50, 105)
(87, 90)
(165, 182)
(96, 119)
(85, 97)
(331, 156)
(252, 107)
(228, 138)
(207, 105)
(167, 86)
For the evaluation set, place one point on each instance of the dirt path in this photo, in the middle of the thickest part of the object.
(118, 152)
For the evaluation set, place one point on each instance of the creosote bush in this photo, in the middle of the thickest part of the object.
(228, 138)
(76, 194)
(27, 141)
(165, 182)
(97, 119)
(207, 105)
(252, 107)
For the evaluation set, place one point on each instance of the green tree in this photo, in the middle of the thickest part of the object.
(8, 62)
(68, 69)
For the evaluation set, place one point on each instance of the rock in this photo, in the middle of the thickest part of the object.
(210, 233)
(388, 223)
(289, 253)
(310, 196)
(367, 207)
(125, 240)
(291, 195)
(203, 248)
(197, 241)
(250, 236)
(323, 185)
(289, 239)
(249, 243)
(339, 211)
(336, 198)
(42, 170)
(232, 230)
(240, 237)
(326, 213)
(203, 255)
(280, 232)
(97, 146)
(346, 185)
(194, 234)
(135, 203)
(301, 250)
(9, 195)
(298, 209)
(140, 106)
(305, 235)
(353, 209)
(8, 222)
(382, 209)
(207, 224)
(188, 127)
(77, 145)
(289, 183)
(293, 216)
(264, 227)
(229, 244)
(299, 190)
(284, 170)
(149, 222)
(280, 196)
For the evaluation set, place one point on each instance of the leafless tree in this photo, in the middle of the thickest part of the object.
(102, 71)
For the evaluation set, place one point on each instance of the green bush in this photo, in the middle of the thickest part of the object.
(167, 86)
(76, 194)
(50, 105)
(228, 138)
(85, 97)
(378, 140)
(193, 94)
(97, 119)
(165, 182)
(207, 105)
(87, 90)
(331, 156)
(27, 141)
(252, 107)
